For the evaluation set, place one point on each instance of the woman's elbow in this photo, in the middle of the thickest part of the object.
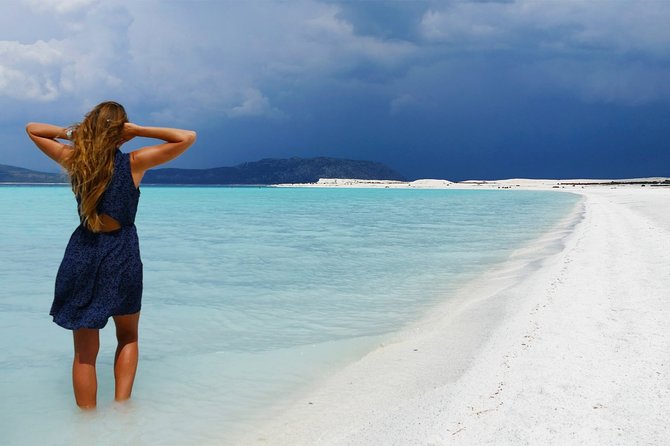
(191, 136)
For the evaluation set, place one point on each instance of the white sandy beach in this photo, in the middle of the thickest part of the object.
(566, 343)
(512, 183)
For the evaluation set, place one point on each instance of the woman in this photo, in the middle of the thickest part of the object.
(101, 272)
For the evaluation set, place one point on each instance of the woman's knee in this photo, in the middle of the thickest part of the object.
(126, 328)
(86, 344)
(126, 338)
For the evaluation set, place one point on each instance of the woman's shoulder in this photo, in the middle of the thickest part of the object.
(135, 172)
(131, 158)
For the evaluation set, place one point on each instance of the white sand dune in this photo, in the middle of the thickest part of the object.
(568, 343)
(514, 183)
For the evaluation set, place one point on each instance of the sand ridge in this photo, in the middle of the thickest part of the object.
(512, 183)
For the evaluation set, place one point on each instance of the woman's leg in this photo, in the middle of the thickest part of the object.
(127, 353)
(84, 380)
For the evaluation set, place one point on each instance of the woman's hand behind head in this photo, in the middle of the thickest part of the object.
(129, 132)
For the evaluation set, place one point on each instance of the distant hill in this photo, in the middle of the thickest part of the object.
(12, 174)
(275, 171)
(265, 171)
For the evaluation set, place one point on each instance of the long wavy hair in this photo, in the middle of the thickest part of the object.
(91, 164)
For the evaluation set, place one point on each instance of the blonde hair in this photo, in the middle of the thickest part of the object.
(91, 164)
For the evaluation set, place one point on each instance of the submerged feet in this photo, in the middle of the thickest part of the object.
(85, 384)
(86, 347)
(125, 367)
(84, 377)
(84, 381)
(127, 353)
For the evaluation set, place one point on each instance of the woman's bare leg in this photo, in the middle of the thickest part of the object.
(84, 380)
(127, 353)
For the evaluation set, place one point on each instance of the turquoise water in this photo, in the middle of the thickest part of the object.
(249, 294)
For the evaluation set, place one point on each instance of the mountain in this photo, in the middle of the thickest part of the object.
(275, 171)
(265, 171)
(12, 174)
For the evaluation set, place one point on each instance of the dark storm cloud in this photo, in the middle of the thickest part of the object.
(385, 20)
(445, 89)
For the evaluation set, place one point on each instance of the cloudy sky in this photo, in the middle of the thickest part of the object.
(442, 89)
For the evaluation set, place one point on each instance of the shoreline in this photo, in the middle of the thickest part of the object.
(511, 183)
(481, 368)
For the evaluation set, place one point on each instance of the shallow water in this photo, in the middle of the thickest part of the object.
(249, 294)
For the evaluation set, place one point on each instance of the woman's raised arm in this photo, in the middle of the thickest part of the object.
(44, 136)
(176, 143)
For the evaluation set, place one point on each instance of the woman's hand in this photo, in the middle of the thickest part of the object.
(129, 132)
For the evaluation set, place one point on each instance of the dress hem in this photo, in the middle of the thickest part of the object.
(93, 328)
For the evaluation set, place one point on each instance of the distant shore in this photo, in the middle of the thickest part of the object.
(513, 183)
(566, 343)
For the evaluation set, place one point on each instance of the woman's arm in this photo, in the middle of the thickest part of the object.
(176, 143)
(44, 136)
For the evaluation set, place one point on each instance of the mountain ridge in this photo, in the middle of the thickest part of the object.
(263, 171)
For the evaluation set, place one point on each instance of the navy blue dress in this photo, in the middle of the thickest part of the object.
(101, 273)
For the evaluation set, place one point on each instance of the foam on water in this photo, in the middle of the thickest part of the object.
(249, 294)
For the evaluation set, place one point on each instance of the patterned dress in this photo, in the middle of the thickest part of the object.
(101, 273)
